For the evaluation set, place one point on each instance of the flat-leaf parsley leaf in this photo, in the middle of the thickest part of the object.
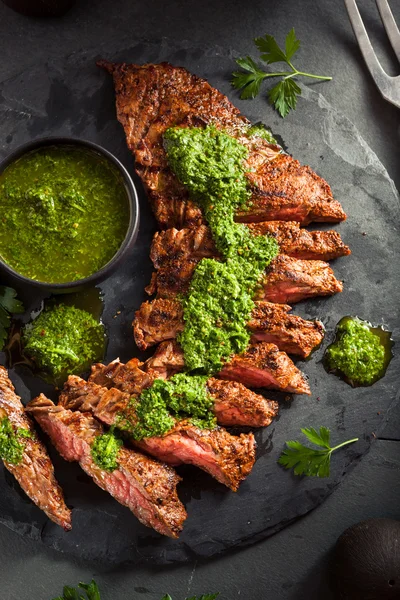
(285, 94)
(310, 461)
(8, 305)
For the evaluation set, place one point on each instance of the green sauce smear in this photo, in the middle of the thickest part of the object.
(210, 163)
(64, 213)
(11, 446)
(105, 449)
(157, 409)
(64, 340)
(361, 353)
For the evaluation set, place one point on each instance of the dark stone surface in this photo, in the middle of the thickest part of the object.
(281, 562)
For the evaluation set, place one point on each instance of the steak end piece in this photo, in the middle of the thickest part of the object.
(35, 472)
(145, 486)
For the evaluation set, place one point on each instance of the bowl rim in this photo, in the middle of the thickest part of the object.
(133, 201)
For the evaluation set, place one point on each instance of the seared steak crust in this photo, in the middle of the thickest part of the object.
(153, 97)
(162, 319)
(234, 404)
(145, 486)
(226, 457)
(35, 473)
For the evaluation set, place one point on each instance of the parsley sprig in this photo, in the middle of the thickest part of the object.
(310, 461)
(283, 95)
(8, 305)
(91, 590)
(93, 593)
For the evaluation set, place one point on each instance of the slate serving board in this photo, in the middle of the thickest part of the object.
(73, 97)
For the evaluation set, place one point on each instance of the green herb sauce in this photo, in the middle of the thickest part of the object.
(259, 130)
(11, 446)
(63, 340)
(157, 409)
(210, 164)
(64, 213)
(361, 353)
(105, 449)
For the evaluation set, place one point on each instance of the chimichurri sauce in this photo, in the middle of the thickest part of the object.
(64, 213)
(361, 353)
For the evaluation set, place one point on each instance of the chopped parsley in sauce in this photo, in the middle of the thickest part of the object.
(361, 353)
(64, 340)
(105, 449)
(64, 213)
(157, 409)
(210, 164)
(12, 445)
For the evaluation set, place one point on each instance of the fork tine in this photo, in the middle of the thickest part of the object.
(390, 25)
(385, 83)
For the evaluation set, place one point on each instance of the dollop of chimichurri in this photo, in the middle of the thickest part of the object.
(157, 409)
(361, 353)
(11, 441)
(64, 340)
(105, 449)
(210, 163)
(64, 213)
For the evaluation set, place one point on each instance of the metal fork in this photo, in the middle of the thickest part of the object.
(388, 86)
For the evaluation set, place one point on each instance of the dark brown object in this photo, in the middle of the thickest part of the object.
(35, 473)
(366, 561)
(234, 404)
(145, 486)
(228, 458)
(151, 98)
(162, 319)
(40, 8)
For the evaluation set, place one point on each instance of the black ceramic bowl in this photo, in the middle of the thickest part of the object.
(131, 233)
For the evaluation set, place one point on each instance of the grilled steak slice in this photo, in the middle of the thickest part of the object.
(234, 404)
(228, 458)
(145, 486)
(289, 280)
(263, 365)
(151, 98)
(272, 323)
(35, 472)
(195, 243)
(162, 319)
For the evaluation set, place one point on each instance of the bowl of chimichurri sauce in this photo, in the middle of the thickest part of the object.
(69, 213)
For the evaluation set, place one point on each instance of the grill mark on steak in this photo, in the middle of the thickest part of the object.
(228, 458)
(262, 365)
(234, 404)
(153, 97)
(35, 473)
(162, 319)
(145, 486)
